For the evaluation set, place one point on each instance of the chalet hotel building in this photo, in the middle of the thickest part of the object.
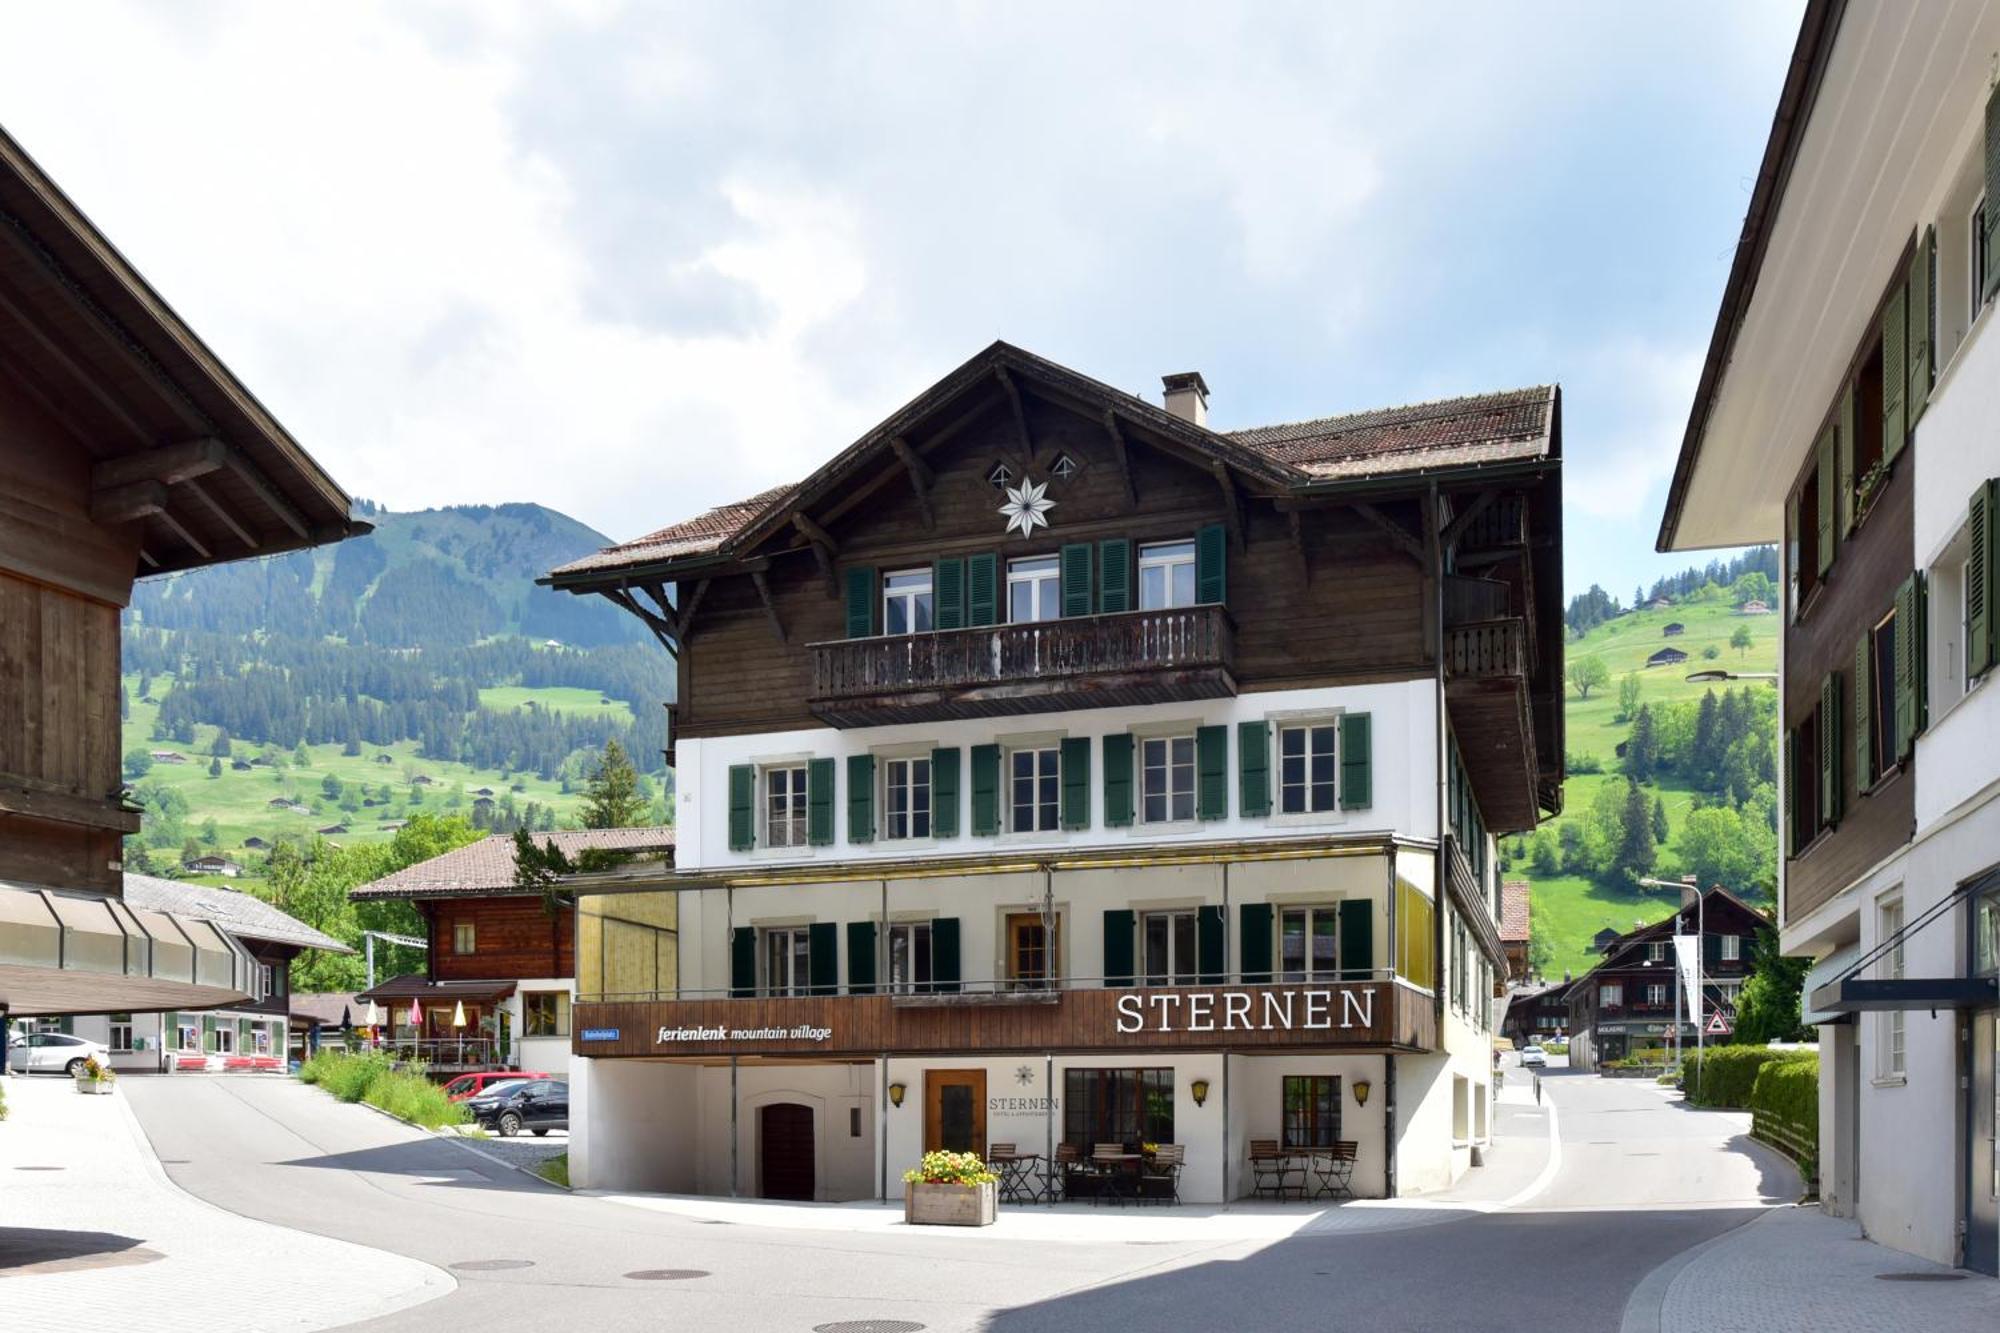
(1055, 769)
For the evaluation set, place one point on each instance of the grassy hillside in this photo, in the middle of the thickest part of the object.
(1570, 909)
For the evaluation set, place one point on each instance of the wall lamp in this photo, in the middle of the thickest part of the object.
(896, 1091)
(1361, 1087)
(1200, 1090)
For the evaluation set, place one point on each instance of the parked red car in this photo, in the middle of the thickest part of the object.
(471, 1085)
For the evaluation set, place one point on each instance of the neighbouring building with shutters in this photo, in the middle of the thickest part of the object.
(1056, 770)
(1850, 403)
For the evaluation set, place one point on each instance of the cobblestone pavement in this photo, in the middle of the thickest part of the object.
(93, 1235)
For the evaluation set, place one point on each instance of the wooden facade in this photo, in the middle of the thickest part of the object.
(513, 937)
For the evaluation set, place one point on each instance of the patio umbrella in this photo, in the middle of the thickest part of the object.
(458, 1014)
(346, 1018)
(416, 1013)
(374, 1014)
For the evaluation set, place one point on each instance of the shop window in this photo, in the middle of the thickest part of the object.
(1035, 789)
(787, 961)
(1312, 1110)
(1986, 934)
(121, 1032)
(1166, 575)
(906, 602)
(910, 962)
(1034, 590)
(906, 799)
(1169, 940)
(1309, 943)
(785, 805)
(545, 1013)
(1166, 779)
(464, 937)
(1031, 951)
(1307, 768)
(1128, 1106)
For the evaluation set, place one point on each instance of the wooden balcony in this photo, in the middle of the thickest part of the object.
(1133, 657)
(1487, 667)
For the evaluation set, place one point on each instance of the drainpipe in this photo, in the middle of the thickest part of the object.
(1438, 760)
(733, 1150)
(1389, 1124)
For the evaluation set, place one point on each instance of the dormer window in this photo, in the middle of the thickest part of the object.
(906, 602)
(1065, 466)
(1001, 477)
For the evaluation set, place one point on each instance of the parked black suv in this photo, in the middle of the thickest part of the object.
(540, 1104)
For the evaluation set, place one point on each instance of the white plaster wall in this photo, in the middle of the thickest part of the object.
(550, 1055)
(1256, 1106)
(843, 1164)
(633, 1126)
(1403, 749)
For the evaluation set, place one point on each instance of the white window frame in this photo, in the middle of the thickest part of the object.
(1169, 769)
(1168, 558)
(1656, 992)
(120, 1042)
(464, 938)
(1891, 1033)
(1611, 995)
(1041, 575)
(917, 595)
(1046, 767)
(1308, 914)
(564, 1004)
(900, 777)
(1305, 728)
(786, 971)
(1656, 951)
(1732, 948)
(1175, 970)
(1975, 264)
(918, 945)
(794, 822)
(187, 1036)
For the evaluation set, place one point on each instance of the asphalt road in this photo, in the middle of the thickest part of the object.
(1640, 1180)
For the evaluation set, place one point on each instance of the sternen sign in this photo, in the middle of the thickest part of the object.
(1303, 1009)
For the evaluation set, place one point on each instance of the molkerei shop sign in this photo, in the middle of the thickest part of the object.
(1362, 1015)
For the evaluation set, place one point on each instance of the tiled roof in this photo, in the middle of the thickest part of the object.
(487, 867)
(241, 914)
(326, 1007)
(695, 536)
(1514, 910)
(1492, 427)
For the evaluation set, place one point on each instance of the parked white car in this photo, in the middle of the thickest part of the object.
(52, 1053)
(1533, 1057)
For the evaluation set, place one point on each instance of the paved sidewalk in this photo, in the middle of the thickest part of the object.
(93, 1235)
(1797, 1269)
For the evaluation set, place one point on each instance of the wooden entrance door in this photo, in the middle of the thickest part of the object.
(785, 1150)
(955, 1110)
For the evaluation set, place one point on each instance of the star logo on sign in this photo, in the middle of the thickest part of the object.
(1027, 507)
(1024, 1075)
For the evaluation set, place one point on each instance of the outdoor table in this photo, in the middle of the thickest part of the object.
(1121, 1180)
(1021, 1179)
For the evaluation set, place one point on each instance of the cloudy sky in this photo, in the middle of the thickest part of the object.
(630, 260)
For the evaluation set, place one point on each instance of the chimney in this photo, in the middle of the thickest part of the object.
(1187, 396)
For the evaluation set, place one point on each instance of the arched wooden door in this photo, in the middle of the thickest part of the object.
(785, 1150)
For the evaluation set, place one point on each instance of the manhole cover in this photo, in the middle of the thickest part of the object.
(1920, 1277)
(491, 1265)
(41, 1168)
(869, 1326)
(667, 1274)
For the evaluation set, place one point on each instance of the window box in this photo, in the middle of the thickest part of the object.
(940, 1205)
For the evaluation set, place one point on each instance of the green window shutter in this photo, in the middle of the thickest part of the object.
(1075, 812)
(1794, 555)
(985, 790)
(1075, 570)
(861, 798)
(823, 957)
(1992, 193)
(1909, 638)
(860, 602)
(1357, 788)
(742, 962)
(1114, 575)
(1829, 484)
(1253, 769)
(1829, 750)
(1357, 939)
(1844, 460)
(742, 807)
(1864, 730)
(1923, 312)
(819, 802)
(1211, 564)
(982, 589)
(1253, 942)
(1895, 371)
(1980, 567)
(948, 593)
(861, 958)
(944, 793)
(1211, 762)
(944, 953)
(1120, 927)
(1118, 780)
(1211, 946)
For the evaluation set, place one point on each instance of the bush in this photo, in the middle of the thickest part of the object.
(1784, 1107)
(372, 1078)
(1726, 1075)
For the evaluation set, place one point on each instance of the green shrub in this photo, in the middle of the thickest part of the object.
(3, 1103)
(1784, 1107)
(555, 1170)
(371, 1077)
(1725, 1075)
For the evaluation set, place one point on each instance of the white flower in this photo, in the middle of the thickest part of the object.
(1027, 507)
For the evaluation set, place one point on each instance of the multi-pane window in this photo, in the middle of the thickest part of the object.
(1891, 1058)
(187, 1036)
(1611, 995)
(1306, 768)
(1166, 575)
(1031, 951)
(545, 1013)
(906, 602)
(910, 957)
(1312, 1110)
(464, 937)
(1034, 789)
(906, 798)
(1128, 1106)
(1169, 947)
(1166, 779)
(121, 1032)
(1656, 993)
(785, 806)
(1308, 943)
(787, 960)
(1034, 589)
(1656, 951)
(1732, 948)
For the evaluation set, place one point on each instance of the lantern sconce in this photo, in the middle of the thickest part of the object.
(896, 1091)
(1361, 1092)
(1200, 1090)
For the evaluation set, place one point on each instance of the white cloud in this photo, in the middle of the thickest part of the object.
(1626, 442)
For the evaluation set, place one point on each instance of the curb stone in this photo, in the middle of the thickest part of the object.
(448, 1137)
(1648, 1301)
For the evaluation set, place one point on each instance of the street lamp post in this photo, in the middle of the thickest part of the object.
(1688, 884)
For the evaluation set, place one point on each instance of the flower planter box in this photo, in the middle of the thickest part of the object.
(95, 1087)
(951, 1205)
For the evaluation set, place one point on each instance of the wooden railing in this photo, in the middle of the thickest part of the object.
(1486, 650)
(1105, 645)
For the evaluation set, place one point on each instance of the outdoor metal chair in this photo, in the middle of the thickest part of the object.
(1333, 1166)
(1068, 1163)
(1110, 1161)
(1271, 1167)
(1165, 1170)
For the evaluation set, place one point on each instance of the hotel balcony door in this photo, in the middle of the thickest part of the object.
(955, 1110)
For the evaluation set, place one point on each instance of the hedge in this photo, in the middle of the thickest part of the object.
(1784, 1107)
(1725, 1075)
(372, 1078)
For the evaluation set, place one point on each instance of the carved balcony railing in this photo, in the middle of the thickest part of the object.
(1486, 650)
(1130, 657)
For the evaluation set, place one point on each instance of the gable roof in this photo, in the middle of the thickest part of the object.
(1520, 425)
(1514, 907)
(241, 914)
(486, 868)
